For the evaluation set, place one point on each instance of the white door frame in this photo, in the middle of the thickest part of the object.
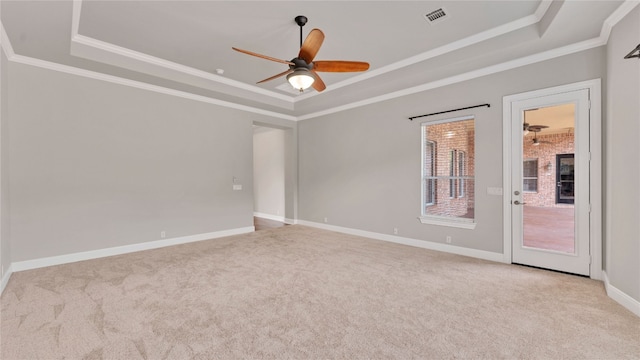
(595, 175)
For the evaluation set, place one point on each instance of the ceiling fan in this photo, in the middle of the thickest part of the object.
(535, 129)
(303, 71)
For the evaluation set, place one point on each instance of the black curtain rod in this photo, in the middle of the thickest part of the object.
(448, 111)
(629, 55)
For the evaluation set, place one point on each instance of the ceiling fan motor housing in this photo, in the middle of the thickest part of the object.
(300, 63)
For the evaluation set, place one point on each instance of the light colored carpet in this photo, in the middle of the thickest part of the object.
(302, 293)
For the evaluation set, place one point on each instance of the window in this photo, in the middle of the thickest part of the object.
(448, 172)
(429, 189)
(530, 175)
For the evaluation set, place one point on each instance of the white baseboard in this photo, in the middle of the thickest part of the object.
(269, 216)
(5, 278)
(119, 250)
(480, 254)
(620, 297)
(290, 221)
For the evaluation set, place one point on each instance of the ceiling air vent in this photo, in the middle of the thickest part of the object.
(436, 16)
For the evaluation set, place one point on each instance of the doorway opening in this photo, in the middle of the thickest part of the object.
(552, 187)
(268, 177)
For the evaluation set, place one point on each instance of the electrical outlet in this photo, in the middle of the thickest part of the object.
(395, 231)
(326, 220)
(163, 234)
(448, 239)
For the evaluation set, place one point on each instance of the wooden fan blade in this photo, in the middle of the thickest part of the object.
(340, 66)
(318, 84)
(263, 56)
(276, 76)
(311, 45)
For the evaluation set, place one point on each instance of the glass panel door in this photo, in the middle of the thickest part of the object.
(547, 225)
(550, 182)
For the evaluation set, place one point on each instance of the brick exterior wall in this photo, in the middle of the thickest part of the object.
(546, 152)
(458, 136)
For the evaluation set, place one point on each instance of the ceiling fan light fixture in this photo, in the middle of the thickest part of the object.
(301, 79)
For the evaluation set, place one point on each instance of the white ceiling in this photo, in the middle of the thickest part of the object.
(178, 45)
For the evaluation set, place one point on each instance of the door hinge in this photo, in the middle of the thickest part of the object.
(589, 104)
(589, 208)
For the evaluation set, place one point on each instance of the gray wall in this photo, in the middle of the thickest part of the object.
(268, 171)
(623, 157)
(95, 165)
(5, 248)
(361, 168)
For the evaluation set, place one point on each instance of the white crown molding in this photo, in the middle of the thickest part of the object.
(75, 17)
(512, 64)
(119, 250)
(456, 45)
(547, 55)
(85, 46)
(608, 24)
(80, 42)
(424, 244)
(6, 43)
(601, 40)
(542, 9)
(615, 17)
(140, 85)
(97, 50)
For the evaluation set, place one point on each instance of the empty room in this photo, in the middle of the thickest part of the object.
(319, 179)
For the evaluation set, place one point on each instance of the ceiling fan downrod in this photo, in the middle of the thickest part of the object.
(301, 20)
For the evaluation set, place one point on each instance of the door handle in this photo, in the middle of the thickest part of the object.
(518, 203)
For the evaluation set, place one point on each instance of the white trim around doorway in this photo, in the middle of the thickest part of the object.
(595, 175)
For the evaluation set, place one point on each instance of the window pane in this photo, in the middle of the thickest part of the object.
(462, 163)
(430, 192)
(448, 169)
(530, 185)
(530, 168)
(530, 175)
(452, 173)
(430, 173)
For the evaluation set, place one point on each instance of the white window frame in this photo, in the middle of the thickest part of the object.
(457, 222)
